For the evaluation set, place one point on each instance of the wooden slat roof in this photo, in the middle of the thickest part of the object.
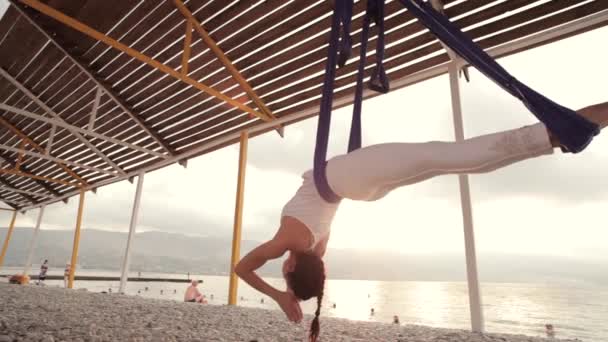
(279, 47)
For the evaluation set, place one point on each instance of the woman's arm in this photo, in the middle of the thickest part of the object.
(287, 238)
(245, 269)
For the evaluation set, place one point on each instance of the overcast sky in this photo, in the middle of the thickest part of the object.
(553, 205)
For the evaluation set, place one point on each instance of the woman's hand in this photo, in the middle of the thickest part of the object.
(290, 305)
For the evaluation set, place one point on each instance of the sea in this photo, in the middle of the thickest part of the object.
(576, 311)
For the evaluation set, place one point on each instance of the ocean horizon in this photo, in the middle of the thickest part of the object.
(577, 310)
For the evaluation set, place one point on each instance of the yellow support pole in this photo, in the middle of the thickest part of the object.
(76, 240)
(238, 219)
(8, 237)
(79, 26)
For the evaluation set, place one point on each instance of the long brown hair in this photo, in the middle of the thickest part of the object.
(306, 281)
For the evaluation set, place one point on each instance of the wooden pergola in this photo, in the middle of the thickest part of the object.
(93, 92)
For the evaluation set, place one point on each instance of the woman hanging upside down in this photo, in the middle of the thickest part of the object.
(368, 174)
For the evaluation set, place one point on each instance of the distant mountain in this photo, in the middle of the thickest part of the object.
(152, 251)
(177, 253)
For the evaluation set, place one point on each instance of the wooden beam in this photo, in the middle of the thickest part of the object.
(102, 85)
(79, 26)
(26, 139)
(7, 201)
(20, 153)
(13, 189)
(72, 128)
(48, 110)
(223, 59)
(33, 176)
(57, 160)
(190, 19)
(187, 44)
(45, 185)
(21, 193)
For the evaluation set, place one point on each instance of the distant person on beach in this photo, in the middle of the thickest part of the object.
(369, 174)
(549, 330)
(66, 274)
(43, 269)
(193, 295)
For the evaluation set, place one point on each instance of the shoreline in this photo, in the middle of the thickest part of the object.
(33, 313)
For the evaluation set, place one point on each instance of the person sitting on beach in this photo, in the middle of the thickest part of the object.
(193, 295)
(369, 174)
(42, 275)
(549, 330)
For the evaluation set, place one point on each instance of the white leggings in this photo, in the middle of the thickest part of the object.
(370, 173)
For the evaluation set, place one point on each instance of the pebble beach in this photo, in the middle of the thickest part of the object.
(51, 314)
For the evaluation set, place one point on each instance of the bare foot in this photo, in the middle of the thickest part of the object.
(597, 113)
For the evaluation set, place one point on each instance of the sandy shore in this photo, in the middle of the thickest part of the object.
(50, 314)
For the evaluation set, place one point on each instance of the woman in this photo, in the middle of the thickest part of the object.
(369, 174)
(66, 275)
(44, 268)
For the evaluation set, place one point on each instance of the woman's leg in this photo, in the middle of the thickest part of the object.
(372, 172)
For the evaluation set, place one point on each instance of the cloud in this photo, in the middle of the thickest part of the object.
(294, 153)
(197, 200)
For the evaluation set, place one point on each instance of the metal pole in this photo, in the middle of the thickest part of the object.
(76, 240)
(8, 238)
(125, 262)
(238, 218)
(477, 322)
(30, 254)
(49, 143)
(93, 114)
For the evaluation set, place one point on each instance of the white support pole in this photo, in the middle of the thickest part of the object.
(49, 143)
(125, 263)
(33, 241)
(94, 110)
(477, 322)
